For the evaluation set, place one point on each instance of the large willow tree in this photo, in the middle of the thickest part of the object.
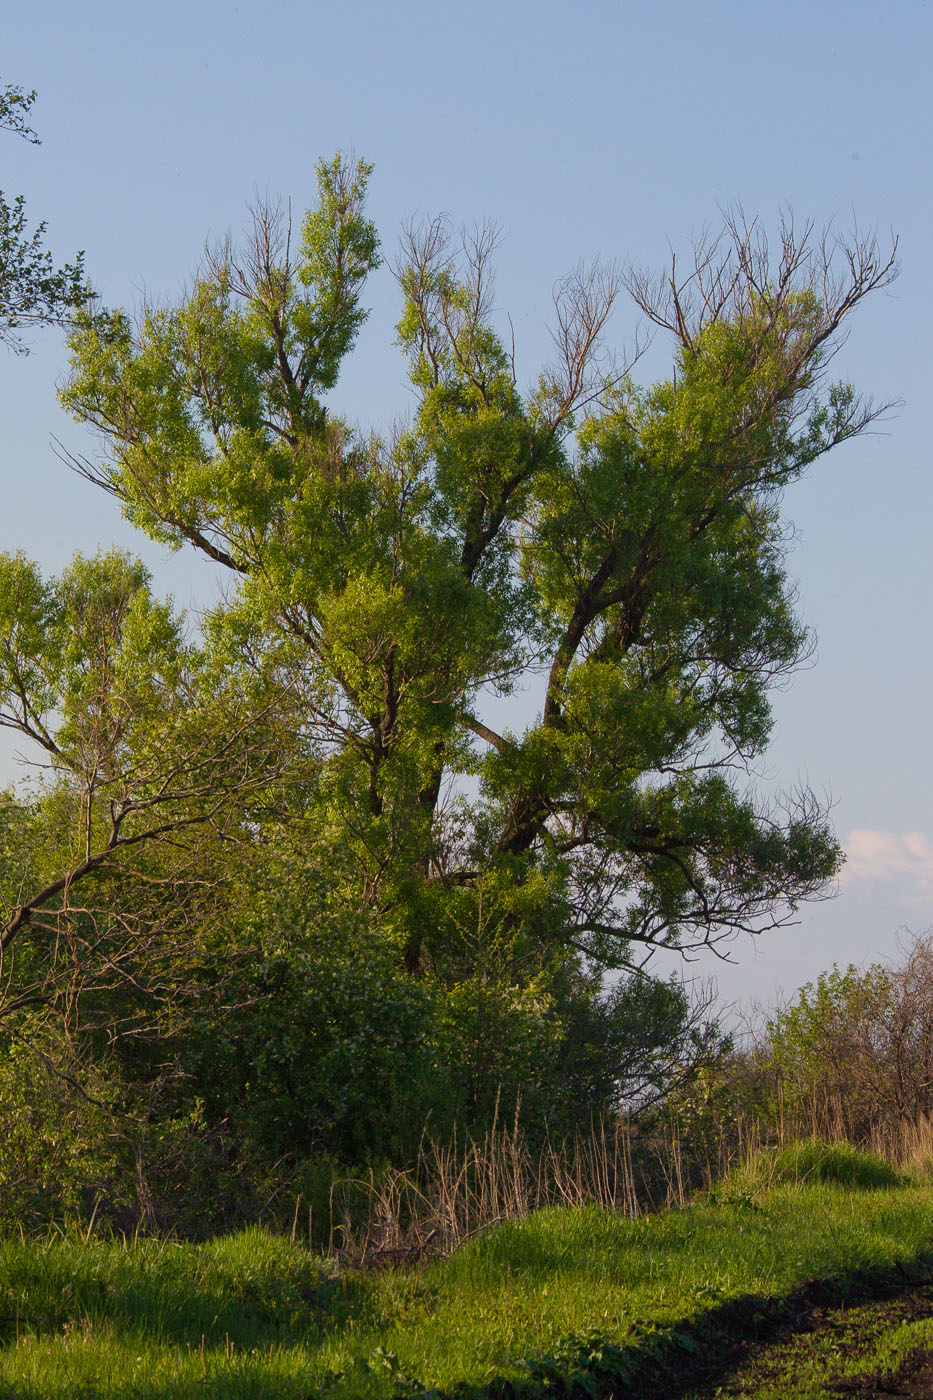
(621, 544)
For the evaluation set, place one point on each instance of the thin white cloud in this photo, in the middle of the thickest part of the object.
(874, 857)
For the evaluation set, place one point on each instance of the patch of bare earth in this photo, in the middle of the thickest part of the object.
(913, 1378)
(812, 1344)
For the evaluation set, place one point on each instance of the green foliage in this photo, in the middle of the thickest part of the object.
(340, 247)
(32, 289)
(642, 569)
(801, 1037)
(58, 1151)
(328, 1048)
(15, 104)
(282, 880)
(584, 1363)
(858, 1045)
(93, 649)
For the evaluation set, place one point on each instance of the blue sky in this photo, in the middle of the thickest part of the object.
(600, 129)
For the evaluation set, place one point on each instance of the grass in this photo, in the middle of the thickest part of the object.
(831, 1163)
(530, 1301)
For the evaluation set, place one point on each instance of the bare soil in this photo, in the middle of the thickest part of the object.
(914, 1377)
(824, 1328)
(754, 1346)
(822, 1343)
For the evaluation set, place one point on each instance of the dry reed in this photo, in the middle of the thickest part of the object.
(456, 1189)
(459, 1188)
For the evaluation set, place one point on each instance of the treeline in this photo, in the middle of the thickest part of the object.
(849, 1059)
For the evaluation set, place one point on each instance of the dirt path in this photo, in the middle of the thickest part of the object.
(859, 1349)
(913, 1378)
(866, 1335)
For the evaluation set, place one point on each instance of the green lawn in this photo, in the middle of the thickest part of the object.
(252, 1316)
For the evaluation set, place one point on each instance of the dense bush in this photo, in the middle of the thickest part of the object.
(60, 1141)
(849, 1060)
(854, 1051)
(224, 1073)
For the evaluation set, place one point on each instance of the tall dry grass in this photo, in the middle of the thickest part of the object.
(905, 1142)
(457, 1189)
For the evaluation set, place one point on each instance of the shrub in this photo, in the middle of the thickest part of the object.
(836, 1163)
(59, 1151)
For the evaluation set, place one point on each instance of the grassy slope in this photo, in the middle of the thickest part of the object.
(251, 1316)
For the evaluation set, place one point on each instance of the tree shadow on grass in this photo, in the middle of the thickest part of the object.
(181, 1309)
(695, 1355)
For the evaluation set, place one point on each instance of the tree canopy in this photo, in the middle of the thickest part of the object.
(289, 844)
(623, 543)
